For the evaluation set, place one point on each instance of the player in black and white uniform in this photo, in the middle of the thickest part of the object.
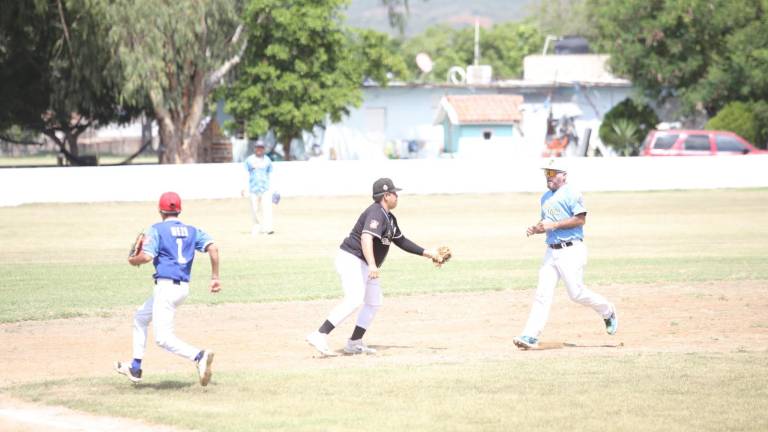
(358, 263)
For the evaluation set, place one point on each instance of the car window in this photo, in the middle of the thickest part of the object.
(665, 142)
(729, 144)
(697, 143)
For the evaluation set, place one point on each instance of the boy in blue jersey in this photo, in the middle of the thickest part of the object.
(563, 216)
(170, 245)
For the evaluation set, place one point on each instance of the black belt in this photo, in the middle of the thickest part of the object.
(175, 282)
(563, 245)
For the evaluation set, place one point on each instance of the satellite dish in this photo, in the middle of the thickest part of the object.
(424, 62)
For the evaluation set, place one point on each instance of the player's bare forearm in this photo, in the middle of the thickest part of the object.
(139, 259)
(366, 241)
(213, 253)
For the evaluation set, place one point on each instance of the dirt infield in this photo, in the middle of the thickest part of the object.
(708, 317)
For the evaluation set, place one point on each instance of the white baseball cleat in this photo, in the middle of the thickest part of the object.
(318, 341)
(124, 368)
(358, 347)
(612, 322)
(525, 342)
(204, 367)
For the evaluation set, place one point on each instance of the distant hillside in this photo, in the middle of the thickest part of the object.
(424, 14)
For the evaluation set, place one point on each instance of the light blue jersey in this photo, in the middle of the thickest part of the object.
(259, 169)
(562, 204)
(172, 244)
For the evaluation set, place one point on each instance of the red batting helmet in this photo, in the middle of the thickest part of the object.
(170, 203)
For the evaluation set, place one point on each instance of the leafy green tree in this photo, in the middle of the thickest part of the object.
(625, 125)
(175, 54)
(57, 74)
(707, 52)
(302, 67)
(439, 42)
(377, 55)
(503, 46)
(564, 18)
(740, 72)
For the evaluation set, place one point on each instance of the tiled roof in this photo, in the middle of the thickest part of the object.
(471, 109)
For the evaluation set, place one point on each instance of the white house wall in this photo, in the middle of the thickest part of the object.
(411, 111)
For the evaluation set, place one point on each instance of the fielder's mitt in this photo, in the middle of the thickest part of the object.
(137, 245)
(443, 255)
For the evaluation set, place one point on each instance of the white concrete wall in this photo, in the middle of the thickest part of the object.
(416, 176)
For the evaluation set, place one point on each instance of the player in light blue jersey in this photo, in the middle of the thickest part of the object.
(563, 216)
(170, 245)
(259, 167)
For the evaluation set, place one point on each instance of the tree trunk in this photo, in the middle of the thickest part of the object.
(180, 134)
(179, 140)
(287, 148)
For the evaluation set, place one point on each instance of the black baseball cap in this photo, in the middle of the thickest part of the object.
(383, 185)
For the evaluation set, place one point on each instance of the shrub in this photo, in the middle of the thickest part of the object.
(625, 126)
(736, 117)
(748, 119)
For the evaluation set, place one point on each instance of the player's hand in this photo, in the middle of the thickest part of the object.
(215, 285)
(534, 229)
(373, 273)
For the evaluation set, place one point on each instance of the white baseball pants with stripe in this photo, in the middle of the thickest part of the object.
(358, 290)
(567, 264)
(160, 309)
(261, 210)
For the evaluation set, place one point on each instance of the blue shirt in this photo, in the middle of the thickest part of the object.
(173, 245)
(562, 204)
(259, 169)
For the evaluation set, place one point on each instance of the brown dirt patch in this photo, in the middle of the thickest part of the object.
(709, 317)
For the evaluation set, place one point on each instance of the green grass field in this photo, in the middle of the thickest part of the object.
(68, 260)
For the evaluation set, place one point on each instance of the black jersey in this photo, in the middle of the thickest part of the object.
(379, 223)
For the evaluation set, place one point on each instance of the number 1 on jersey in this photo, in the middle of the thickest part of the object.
(181, 259)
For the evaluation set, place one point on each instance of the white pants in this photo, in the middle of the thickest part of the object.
(358, 290)
(567, 264)
(160, 309)
(261, 209)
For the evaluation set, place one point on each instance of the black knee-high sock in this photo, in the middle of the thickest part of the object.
(358, 333)
(326, 327)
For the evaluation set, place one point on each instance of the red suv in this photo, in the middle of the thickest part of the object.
(676, 142)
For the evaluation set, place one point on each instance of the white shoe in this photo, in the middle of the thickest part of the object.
(124, 368)
(204, 368)
(317, 340)
(358, 347)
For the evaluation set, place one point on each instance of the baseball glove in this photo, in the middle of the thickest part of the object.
(137, 245)
(443, 255)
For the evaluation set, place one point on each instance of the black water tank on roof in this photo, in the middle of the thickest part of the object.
(572, 45)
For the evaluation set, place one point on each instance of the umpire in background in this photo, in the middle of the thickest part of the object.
(358, 263)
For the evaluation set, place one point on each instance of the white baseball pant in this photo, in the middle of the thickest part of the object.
(261, 209)
(567, 264)
(160, 310)
(358, 290)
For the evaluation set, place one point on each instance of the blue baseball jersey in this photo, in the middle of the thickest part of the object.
(259, 169)
(172, 244)
(562, 204)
